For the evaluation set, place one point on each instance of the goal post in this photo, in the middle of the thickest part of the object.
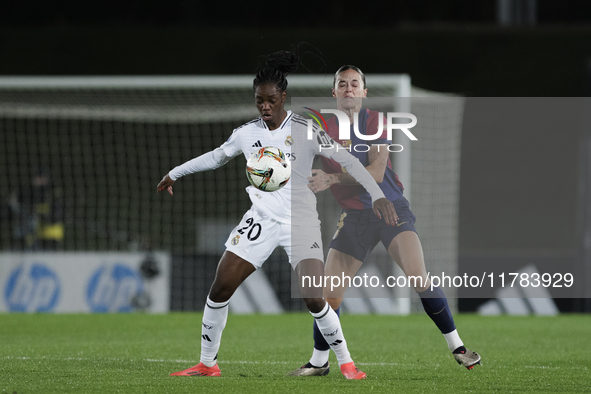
(107, 141)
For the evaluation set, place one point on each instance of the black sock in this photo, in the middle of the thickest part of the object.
(435, 304)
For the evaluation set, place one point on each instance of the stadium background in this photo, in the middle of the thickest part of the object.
(459, 47)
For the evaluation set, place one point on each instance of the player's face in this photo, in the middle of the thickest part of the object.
(349, 90)
(270, 101)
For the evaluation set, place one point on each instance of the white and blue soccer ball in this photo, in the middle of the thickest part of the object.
(268, 169)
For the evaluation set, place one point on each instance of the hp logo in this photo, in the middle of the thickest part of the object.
(111, 288)
(32, 288)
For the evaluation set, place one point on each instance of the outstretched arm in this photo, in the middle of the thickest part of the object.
(208, 161)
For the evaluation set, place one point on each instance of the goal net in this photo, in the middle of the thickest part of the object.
(105, 142)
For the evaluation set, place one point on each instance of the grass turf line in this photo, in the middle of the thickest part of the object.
(134, 353)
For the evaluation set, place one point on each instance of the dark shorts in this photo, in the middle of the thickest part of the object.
(359, 231)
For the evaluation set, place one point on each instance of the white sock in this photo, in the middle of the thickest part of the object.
(215, 316)
(319, 357)
(453, 340)
(330, 326)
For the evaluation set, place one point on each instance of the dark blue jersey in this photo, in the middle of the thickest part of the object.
(355, 196)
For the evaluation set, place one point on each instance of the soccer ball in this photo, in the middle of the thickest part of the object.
(268, 169)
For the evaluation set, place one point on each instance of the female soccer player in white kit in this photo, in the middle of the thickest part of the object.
(272, 213)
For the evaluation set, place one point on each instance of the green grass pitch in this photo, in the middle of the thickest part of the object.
(134, 353)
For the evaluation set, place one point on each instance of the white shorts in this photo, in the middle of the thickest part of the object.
(257, 236)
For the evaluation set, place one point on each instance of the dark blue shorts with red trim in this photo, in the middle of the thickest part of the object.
(359, 231)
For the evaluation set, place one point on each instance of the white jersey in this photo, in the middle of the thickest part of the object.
(295, 198)
(252, 136)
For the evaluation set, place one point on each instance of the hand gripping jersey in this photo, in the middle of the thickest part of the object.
(355, 196)
(295, 199)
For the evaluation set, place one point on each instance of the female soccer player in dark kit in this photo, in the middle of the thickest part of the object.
(348, 250)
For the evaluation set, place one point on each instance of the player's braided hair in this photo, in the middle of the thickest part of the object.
(349, 67)
(277, 66)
